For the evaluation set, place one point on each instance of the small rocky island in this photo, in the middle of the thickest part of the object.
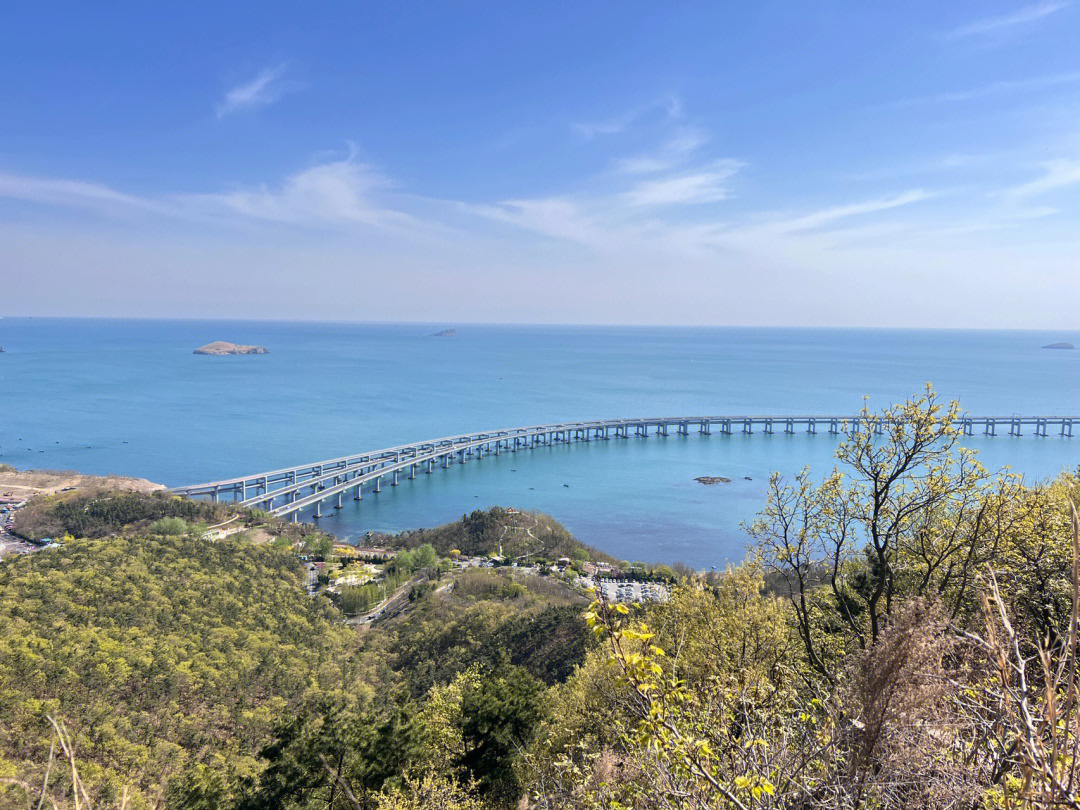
(1059, 346)
(446, 333)
(219, 347)
(712, 479)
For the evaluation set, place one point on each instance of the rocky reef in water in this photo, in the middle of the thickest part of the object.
(712, 479)
(219, 347)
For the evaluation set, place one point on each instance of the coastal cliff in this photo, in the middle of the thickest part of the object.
(219, 347)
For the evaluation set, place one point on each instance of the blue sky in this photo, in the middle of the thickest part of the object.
(860, 164)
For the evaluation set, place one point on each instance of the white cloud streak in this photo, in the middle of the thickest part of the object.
(264, 89)
(1058, 174)
(705, 185)
(671, 107)
(827, 216)
(1027, 14)
(993, 89)
(74, 193)
(338, 193)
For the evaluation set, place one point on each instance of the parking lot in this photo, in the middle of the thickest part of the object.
(9, 543)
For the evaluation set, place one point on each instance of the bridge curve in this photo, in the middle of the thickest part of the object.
(285, 492)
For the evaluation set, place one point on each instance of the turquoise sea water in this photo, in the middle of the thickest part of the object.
(129, 397)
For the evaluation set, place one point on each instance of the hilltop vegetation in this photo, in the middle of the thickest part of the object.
(99, 512)
(518, 534)
(916, 647)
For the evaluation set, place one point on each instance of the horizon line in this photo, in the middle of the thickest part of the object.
(544, 324)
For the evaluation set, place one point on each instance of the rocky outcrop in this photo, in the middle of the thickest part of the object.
(712, 479)
(219, 347)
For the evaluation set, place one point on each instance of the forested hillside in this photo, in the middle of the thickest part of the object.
(916, 646)
(159, 653)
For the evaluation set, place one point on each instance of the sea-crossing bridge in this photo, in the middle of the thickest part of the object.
(291, 489)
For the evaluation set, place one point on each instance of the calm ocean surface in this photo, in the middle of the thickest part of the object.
(129, 397)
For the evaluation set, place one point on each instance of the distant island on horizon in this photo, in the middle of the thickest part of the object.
(221, 347)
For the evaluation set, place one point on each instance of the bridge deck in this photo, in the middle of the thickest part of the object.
(282, 491)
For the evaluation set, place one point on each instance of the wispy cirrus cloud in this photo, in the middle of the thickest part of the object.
(340, 192)
(1022, 16)
(827, 216)
(334, 194)
(1057, 174)
(75, 193)
(993, 89)
(703, 185)
(264, 89)
(674, 151)
(670, 106)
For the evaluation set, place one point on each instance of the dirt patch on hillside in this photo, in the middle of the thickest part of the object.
(27, 483)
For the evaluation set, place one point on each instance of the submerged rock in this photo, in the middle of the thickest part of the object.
(712, 479)
(219, 347)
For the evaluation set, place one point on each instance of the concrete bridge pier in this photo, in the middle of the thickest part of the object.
(295, 517)
(412, 472)
(683, 429)
(461, 453)
(359, 493)
(338, 505)
(789, 426)
(725, 427)
(991, 427)
(430, 464)
(318, 510)
(1066, 427)
(834, 427)
(1014, 428)
(768, 426)
(215, 496)
(705, 428)
(378, 484)
(811, 426)
(748, 427)
(394, 483)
